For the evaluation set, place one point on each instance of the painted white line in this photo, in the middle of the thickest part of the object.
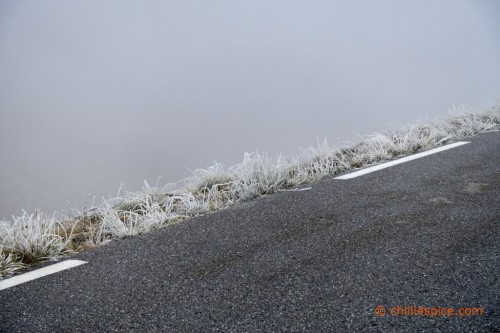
(401, 160)
(295, 189)
(15, 280)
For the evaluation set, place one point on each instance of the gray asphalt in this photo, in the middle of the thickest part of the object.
(423, 233)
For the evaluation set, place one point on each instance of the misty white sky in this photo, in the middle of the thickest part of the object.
(95, 93)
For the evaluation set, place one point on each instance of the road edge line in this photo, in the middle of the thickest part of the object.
(401, 160)
(36, 274)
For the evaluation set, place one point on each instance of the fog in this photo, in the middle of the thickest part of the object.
(98, 93)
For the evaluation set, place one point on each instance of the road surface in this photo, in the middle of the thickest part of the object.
(424, 234)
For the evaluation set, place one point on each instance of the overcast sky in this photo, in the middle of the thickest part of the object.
(95, 93)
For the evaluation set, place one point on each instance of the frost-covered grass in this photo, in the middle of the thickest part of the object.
(30, 238)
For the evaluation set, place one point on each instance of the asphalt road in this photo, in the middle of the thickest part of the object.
(423, 233)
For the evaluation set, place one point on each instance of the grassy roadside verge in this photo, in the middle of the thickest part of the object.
(31, 238)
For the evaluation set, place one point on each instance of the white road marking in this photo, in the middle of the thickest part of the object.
(295, 189)
(15, 280)
(401, 160)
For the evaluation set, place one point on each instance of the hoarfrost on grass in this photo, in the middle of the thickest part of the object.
(33, 237)
(30, 238)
